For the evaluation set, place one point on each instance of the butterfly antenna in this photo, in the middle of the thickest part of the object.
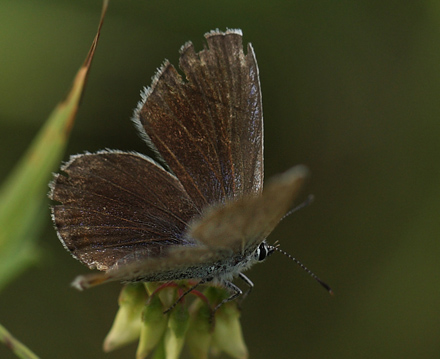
(313, 275)
(308, 201)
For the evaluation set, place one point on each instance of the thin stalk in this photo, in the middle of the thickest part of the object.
(15, 345)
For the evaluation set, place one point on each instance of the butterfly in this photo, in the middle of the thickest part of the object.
(201, 213)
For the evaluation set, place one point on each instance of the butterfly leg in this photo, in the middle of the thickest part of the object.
(233, 289)
(249, 283)
(184, 294)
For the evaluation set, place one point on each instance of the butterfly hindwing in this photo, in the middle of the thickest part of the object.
(114, 203)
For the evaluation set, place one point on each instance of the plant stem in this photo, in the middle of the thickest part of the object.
(16, 346)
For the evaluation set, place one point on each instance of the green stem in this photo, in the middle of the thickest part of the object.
(17, 348)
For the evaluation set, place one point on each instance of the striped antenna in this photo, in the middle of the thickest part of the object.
(308, 201)
(313, 275)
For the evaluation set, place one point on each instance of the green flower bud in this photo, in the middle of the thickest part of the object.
(175, 335)
(228, 336)
(199, 335)
(127, 324)
(154, 324)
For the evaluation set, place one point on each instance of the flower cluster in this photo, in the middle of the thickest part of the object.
(191, 321)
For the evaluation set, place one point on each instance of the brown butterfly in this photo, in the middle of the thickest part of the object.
(204, 215)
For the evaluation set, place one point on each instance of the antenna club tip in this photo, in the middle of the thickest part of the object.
(326, 286)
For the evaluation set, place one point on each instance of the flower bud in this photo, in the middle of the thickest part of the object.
(199, 335)
(228, 336)
(177, 327)
(127, 324)
(154, 324)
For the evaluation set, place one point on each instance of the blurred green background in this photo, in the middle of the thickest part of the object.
(350, 88)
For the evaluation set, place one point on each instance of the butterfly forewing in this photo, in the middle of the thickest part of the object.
(114, 204)
(209, 128)
(243, 224)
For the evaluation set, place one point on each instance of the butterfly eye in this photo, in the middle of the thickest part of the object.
(262, 252)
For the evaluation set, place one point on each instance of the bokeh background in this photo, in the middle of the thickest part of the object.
(350, 88)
